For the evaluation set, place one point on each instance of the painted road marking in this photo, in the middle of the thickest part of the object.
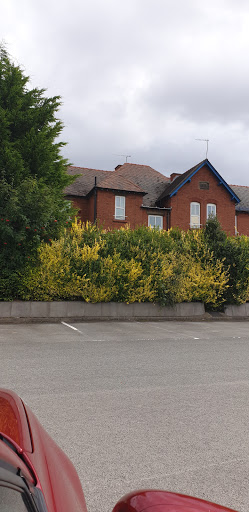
(71, 327)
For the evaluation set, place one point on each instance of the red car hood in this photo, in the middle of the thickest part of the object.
(163, 501)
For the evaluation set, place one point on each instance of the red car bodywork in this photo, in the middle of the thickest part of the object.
(48, 465)
(26, 445)
(163, 501)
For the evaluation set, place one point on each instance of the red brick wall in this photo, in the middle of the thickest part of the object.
(91, 208)
(243, 223)
(190, 192)
(135, 215)
(106, 209)
(85, 207)
(81, 203)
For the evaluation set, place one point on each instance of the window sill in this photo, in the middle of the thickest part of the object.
(120, 220)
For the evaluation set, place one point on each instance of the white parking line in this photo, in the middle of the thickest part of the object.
(71, 327)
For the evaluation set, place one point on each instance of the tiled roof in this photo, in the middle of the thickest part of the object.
(145, 177)
(85, 182)
(117, 182)
(243, 193)
(128, 177)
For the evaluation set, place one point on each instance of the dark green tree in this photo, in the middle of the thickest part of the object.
(234, 252)
(215, 237)
(32, 171)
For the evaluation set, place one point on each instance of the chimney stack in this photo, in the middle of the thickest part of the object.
(174, 175)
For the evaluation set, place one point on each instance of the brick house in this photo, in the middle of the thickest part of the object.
(135, 194)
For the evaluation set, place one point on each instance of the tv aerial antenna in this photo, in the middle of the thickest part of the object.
(207, 141)
(126, 156)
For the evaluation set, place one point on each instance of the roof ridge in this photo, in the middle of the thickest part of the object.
(143, 165)
(87, 168)
(245, 186)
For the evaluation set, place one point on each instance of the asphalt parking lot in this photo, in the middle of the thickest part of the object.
(140, 405)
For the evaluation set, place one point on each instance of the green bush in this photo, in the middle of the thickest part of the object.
(234, 254)
(143, 265)
(126, 265)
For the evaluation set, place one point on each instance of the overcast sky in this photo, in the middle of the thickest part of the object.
(141, 77)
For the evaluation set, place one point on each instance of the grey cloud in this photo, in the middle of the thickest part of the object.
(143, 77)
(196, 98)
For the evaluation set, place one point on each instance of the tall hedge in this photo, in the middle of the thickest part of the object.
(126, 265)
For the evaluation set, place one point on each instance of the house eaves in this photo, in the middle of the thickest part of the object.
(172, 189)
(242, 192)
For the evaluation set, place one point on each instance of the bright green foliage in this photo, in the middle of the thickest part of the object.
(32, 171)
(126, 266)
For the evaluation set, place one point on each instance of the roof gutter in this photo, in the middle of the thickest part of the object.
(241, 209)
(154, 207)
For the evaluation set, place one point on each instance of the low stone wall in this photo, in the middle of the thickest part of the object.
(31, 311)
(241, 311)
(66, 310)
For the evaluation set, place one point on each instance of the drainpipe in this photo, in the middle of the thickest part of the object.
(95, 200)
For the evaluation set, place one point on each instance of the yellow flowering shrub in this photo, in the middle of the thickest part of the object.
(140, 265)
(203, 283)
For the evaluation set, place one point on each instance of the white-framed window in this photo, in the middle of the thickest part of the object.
(120, 207)
(236, 225)
(155, 221)
(211, 210)
(195, 211)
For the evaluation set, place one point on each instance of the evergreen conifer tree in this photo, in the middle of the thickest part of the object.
(32, 171)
